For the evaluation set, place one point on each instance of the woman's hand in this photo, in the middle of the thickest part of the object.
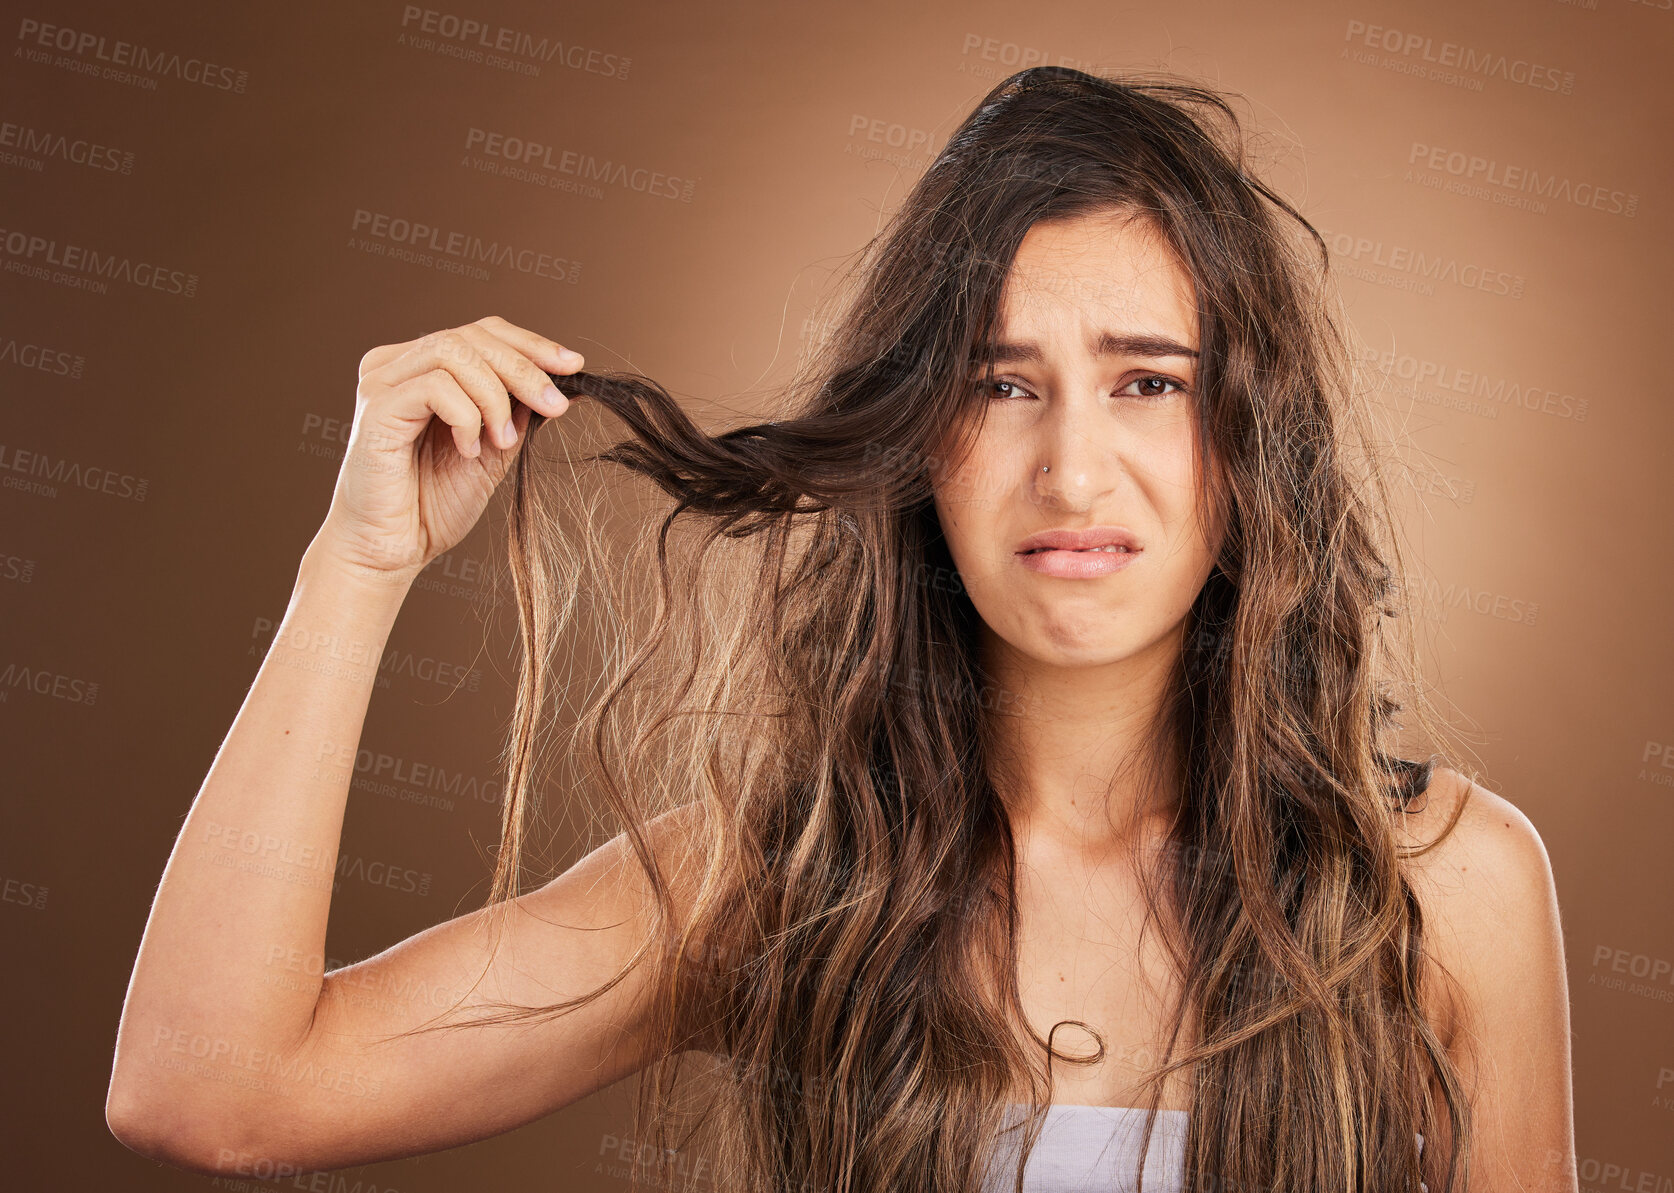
(435, 429)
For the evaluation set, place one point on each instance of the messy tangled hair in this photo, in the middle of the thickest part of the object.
(804, 675)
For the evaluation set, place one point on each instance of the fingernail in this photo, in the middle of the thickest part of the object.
(508, 433)
(550, 396)
(571, 354)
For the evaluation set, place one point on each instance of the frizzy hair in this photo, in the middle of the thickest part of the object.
(800, 686)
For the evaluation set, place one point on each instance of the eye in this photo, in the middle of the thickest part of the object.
(1147, 383)
(1156, 395)
(992, 387)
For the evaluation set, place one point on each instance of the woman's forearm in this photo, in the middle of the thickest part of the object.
(248, 886)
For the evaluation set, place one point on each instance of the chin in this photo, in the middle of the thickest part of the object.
(1059, 642)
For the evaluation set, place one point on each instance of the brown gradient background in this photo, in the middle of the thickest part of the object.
(1539, 498)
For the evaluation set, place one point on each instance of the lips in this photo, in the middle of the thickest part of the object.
(1119, 540)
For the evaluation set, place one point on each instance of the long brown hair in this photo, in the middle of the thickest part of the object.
(804, 671)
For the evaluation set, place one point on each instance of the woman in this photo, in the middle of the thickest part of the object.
(1010, 763)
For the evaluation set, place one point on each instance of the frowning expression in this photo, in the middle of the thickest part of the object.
(1095, 374)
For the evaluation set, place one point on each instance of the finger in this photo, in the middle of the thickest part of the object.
(523, 378)
(453, 351)
(439, 393)
(380, 356)
(552, 356)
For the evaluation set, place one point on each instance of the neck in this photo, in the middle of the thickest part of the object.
(1080, 767)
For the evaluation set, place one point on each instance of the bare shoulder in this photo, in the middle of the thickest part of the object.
(678, 844)
(611, 885)
(1494, 933)
(1484, 883)
(1491, 845)
(674, 841)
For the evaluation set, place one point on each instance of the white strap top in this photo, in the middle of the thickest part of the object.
(1083, 1149)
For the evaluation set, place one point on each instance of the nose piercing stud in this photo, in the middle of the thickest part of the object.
(1046, 468)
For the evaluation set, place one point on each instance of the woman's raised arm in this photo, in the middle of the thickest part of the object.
(235, 1052)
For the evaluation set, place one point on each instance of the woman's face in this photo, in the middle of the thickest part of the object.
(1114, 427)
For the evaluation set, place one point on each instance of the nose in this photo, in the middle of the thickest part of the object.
(1075, 443)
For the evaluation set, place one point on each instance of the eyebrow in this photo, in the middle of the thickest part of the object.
(1108, 343)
